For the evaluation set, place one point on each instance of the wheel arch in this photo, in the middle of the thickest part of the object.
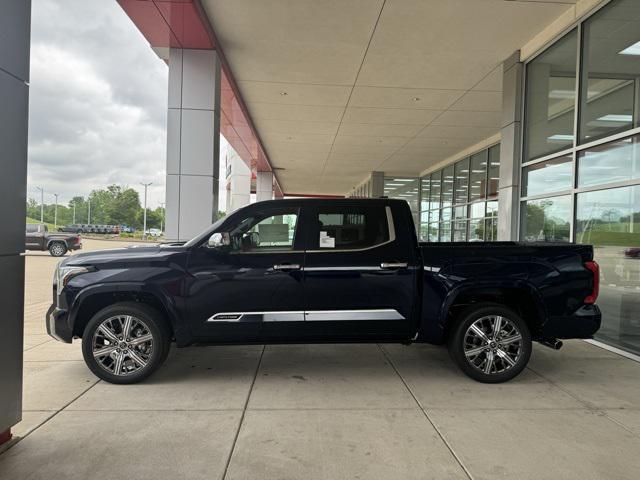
(95, 298)
(522, 298)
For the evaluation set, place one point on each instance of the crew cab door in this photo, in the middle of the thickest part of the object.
(34, 237)
(359, 272)
(253, 282)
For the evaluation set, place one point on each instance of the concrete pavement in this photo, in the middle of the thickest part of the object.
(320, 411)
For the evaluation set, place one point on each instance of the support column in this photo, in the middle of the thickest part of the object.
(193, 142)
(15, 25)
(264, 186)
(238, 182)
(377, 184)
(509, 186)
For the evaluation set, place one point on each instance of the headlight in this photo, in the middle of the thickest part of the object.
(66, 273)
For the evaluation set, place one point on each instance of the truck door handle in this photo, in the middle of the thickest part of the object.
(285, 267)
(392, 265)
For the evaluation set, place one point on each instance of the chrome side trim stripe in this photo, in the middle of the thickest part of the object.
(258, 317)
(310, 316)
(341, 269)
(348, 315)
(432, 269)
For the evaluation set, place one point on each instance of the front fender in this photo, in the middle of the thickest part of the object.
(167, 302)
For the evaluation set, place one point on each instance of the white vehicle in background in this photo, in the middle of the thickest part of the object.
(153, 232)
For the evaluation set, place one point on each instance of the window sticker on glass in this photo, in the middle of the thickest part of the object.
(326, 241)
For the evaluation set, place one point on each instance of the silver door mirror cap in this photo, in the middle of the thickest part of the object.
(219, 239)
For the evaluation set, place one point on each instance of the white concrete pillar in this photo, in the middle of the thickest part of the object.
(264, 186)
(193, 142)
(238, 182)
(509, 185)
(377, 185)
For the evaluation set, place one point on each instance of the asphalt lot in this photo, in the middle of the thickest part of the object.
(320, 412)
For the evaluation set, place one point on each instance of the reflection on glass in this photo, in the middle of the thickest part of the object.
(550, 104)
(460, 231)
(445, 232)
(492, 209)
(546, 177)
(476, 230)
(494, 171)
(447, 186)
(425, 192)
(403, 189)
(436, 182)
(478, 181)
(610, 221)
(610, 70)
(434, 229)
(547, 220)
(614, 162)
(461, 184)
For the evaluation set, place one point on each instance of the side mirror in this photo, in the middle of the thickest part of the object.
(219, 239)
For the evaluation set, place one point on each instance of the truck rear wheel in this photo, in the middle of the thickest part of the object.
(490, 343)
(126, 342)
(57, 249)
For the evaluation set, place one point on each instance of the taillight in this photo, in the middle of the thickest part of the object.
(595, 270)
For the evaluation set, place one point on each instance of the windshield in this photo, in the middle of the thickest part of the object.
(205, 234)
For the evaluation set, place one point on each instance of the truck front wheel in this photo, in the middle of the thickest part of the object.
(490, 343)
(126, 342)
(57, 249)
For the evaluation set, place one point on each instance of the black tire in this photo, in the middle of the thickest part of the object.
(463, 341)
(57, 249)
(152, 321)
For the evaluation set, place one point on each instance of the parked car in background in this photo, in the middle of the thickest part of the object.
(38, 237)
(324, 271)
(127, 229)
(74, 228)
(153, 232)
(632, 252)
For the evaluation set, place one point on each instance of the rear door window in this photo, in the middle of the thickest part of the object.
(351, 228)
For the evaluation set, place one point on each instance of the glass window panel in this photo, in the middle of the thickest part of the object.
(492, 209)
(460, 231)
(476, 229)
(434, 229)
(494, 171)
(477, 210)
(491, 230)
(550, 102)
(445, 215)
(447, 186)
(445, 232)
(546, 220)
(611, 69)
(614, 162)
(436, 187)
(269, 230)
(610, 220)
(478, 181)
(460, 212)
(425, 193)
(403, 189)
(461, 184)
(350, 227)
(547, 177)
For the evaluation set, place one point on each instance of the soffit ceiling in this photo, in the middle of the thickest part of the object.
(337, 88)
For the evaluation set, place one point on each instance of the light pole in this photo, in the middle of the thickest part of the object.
(74, 211)
(55, 212)
(89, 211)
(162, 217)
(144, 222)
(41, 204)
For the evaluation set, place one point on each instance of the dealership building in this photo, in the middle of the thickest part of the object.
(495, 120)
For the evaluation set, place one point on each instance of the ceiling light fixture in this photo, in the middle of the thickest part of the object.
(416, 99)
(283, 93)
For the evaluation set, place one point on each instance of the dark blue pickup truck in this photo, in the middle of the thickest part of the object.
(313, 271)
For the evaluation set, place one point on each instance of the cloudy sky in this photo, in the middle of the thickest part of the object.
(98, 102)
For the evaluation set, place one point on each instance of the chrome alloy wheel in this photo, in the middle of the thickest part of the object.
(122, 345)
(492, 344)
(57, 249)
